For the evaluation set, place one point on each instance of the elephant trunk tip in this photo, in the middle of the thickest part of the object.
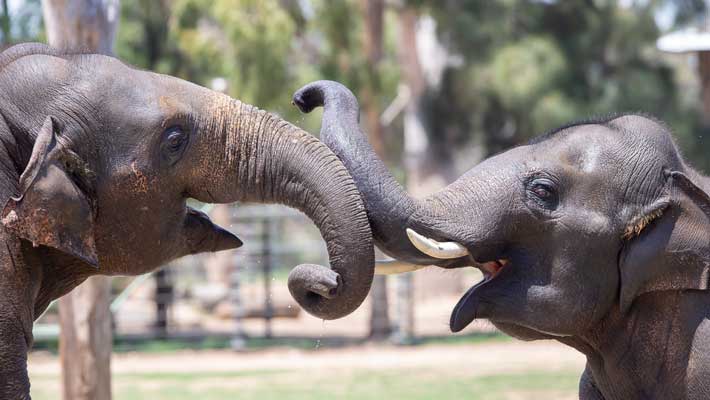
(314, 287)
(324, 93)
(308, 98)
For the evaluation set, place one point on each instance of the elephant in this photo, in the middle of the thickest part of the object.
(97, 161)
(595, 234)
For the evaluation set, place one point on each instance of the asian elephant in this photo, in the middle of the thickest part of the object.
(596, 234)
(97, 160)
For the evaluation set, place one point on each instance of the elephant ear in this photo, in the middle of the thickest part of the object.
(667, 246)
(52, 210)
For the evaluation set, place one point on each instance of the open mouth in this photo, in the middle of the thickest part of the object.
(465, 310)
(492, 268)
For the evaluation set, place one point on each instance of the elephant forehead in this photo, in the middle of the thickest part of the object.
(169, 105)
(590, 149)
(179, 96)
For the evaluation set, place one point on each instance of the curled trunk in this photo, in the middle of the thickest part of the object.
(390, 209)
(268, 160)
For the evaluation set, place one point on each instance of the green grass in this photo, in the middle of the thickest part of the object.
(342, 383)
(412, 384)
(257, 343)
(472, 338)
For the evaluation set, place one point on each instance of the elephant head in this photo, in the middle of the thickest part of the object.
(106, 156)
(566, 229)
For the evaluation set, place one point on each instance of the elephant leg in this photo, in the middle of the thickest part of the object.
(14, 384)
(587, 388)
(16, 316)
(14, 381)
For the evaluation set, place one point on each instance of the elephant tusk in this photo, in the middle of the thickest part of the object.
(393, 267)
(432, 248)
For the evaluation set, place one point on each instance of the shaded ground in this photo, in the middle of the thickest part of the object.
(499, 369)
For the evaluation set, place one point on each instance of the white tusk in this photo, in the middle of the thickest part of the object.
(432, 248)
(393, 267)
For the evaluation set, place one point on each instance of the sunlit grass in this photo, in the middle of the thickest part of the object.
(339, 384)
(257, 343)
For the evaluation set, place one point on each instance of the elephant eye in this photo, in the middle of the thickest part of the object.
(543, 192)
(173, 144)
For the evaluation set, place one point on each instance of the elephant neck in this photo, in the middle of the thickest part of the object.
(646, 353)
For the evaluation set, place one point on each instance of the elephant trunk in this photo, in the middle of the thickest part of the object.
(268, 160)
(391, 211)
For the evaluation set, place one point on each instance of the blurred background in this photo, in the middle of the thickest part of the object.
(442, 85)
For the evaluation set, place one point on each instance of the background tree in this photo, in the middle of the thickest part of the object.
(529, 66)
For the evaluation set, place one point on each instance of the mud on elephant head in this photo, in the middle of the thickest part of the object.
(104, 157)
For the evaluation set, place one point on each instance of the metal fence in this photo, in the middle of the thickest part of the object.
(242, 293)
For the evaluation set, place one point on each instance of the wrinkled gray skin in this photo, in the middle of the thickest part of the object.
(606, 231)
(97, 160)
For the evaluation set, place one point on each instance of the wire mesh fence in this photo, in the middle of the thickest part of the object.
(242, 293)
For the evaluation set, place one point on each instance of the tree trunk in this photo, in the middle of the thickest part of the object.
(163, 299)
(85, 342)
(373, 10)
(704, 72)
(81, 24)
(86, 339)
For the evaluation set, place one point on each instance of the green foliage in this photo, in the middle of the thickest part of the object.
(341, 55)
(256, 53)
(248, 42)
(143, 38)
(524, 71)
(528, 66)
(532, 65)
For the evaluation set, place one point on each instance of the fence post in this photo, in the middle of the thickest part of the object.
(163, 299)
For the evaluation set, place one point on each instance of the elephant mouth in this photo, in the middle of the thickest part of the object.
(454, 254)
(465, 310)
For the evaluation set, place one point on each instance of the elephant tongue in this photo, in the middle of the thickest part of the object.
(465, 311)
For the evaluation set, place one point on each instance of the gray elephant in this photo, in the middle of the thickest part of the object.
(97, 160)
(596, 234)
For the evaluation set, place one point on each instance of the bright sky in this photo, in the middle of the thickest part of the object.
(14, 5)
